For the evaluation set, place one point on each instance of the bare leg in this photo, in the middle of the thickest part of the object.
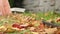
(4, 7)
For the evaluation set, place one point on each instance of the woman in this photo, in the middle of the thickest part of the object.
(4, 7)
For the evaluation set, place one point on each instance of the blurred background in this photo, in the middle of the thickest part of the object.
(37, 5)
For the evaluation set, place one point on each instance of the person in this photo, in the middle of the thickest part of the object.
(4, 7)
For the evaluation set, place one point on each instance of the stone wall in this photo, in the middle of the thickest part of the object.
(57, 6)
(42, 5)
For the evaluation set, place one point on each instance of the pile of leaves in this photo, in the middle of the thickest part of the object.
(29, 23)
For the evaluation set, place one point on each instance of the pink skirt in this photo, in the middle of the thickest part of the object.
(4, 7)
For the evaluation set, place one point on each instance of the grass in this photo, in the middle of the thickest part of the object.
(46, 16)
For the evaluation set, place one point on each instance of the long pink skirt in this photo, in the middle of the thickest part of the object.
(4, 7)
